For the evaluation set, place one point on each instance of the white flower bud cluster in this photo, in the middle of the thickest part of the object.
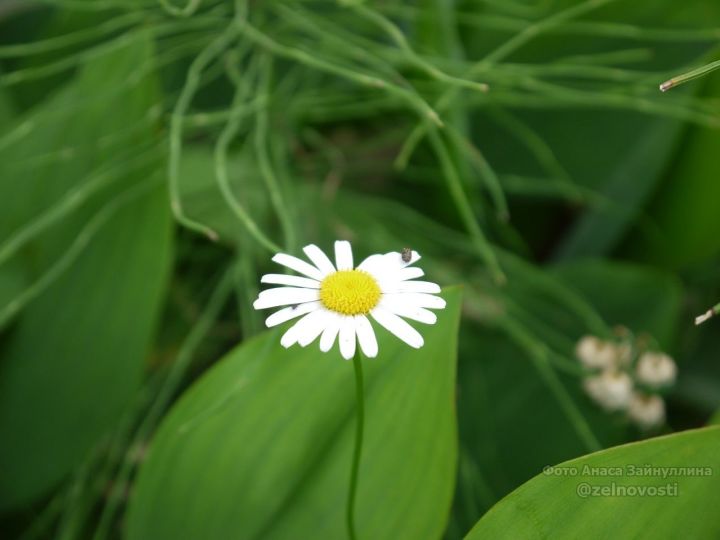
(623, 376)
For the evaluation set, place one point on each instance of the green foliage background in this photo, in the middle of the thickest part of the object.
(154, 156)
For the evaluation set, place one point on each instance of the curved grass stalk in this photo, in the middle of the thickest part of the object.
(524, 271)
(321, 111)
(187, 10)
(495, 56)
(537, 146)
(47, 116)
(207, 119)
(542, 94)
(106, 142)
(611, 59)
(339, 40)
(341, 44)
(554, 188)
(518, 23)
(92, 53)
(84, 5)
(565, 364)
(519, 8)
(539, 355)
(73, 252)
(72, 200)
(586, 28)
(551, 337)
(22, 130)
(464, 208)
(70, 61)
(192, 82)
(409, 54)
(221, 174)
(639, 33)
(690, 76)
(609, 99)
(73, 38)
(577, 71)
(300, 55)
(45, 518)
(263, 155)
(618, 102)
(473, 484)
(487, 173)
(102, 464)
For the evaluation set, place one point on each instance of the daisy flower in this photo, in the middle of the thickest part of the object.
(337, 301)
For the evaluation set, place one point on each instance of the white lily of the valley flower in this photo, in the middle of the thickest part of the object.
(611, 389)
(338, 300)
(656, 369)
(594, 353)
(647, 411)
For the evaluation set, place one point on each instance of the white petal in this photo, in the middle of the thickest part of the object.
(295, 281)
(395, 325)
(289, 338)
(418, 300)
(346, 340)
(314, 327)
(400, 308)
(366, 336)
(375, 265)
(284, 296)
(410, 272)
(297, 330)
(332, 328)
(411, 287)
(343, 255)
(298, 265)
(288, 313)
(382, 272)
(319, 259)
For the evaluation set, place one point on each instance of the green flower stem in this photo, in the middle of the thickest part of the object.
(359, 428)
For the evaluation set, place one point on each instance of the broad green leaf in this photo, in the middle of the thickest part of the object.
(76, 356)
(551, 506)
(261, 446)
(72, 360)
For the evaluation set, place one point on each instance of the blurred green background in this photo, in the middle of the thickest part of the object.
(154, 156)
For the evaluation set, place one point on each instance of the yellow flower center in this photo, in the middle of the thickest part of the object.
(350, 292)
